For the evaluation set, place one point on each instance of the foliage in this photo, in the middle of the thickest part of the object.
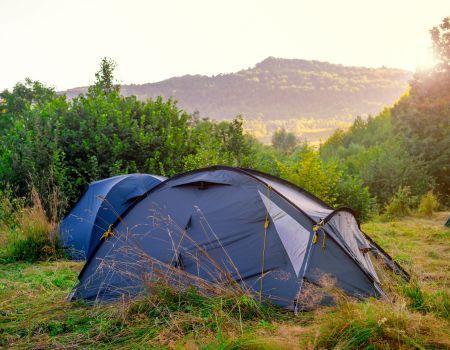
(66, 144)
(54, 142)
(440, 36)
(423, 119)
(307, 170)
(104, 77)
(18, 103)
(265, 158)
(407, 145)
(325, 179)
(372, 151)
(221, 143)
(10, 206)
(283, 141)
(400, 203)
(366, 133)
(352, 193)
(428, 204)
(424, 116)
(387, 167)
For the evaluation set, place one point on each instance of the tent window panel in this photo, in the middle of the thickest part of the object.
(294, 236)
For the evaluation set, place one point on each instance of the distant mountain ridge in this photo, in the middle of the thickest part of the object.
(280, 89)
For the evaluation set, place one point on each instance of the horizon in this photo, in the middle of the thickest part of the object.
(251, 67)
(66, 40)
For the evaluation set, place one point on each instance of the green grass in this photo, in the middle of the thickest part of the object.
(35, 315)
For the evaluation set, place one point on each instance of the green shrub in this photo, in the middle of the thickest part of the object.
(307, 170)
(353, 194)
(400, 203)
(52, 141)
(428, 204)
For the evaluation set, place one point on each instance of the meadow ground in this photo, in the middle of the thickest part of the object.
(35, 315)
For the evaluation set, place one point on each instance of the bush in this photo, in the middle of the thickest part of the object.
(307, 170)
(400, 203)
(353, 194)
(428, 204)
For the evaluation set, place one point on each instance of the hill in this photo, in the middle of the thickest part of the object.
(279, 88)
(310, 98)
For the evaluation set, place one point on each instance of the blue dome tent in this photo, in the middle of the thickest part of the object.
(101, 205)
(232, 226)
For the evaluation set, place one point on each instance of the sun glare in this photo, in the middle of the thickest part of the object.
(427, 61)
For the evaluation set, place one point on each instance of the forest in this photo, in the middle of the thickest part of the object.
(385, 167)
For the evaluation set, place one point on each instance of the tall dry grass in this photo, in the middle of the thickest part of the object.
(32, 234)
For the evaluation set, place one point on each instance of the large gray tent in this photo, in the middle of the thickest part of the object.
(222, 223)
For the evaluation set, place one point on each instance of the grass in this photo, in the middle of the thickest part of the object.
(26, 233)
(420, 244)
(35, 315)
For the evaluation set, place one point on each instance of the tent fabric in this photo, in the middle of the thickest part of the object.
(345, 226)
(293, 235)
(308, 204)
(222, 224)
(103, 202)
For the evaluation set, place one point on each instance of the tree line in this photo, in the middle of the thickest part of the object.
(408, 145)
(53, 143)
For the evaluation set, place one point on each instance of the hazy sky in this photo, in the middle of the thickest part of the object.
(60, 42)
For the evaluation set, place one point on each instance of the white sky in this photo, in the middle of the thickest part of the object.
(60, 42)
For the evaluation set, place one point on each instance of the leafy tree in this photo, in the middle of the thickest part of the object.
(21, 100)
(375, 153)
(104, 77)
(54, 142)
(312, 174)
(440, 36)
(352, 193)
(284, 141)
(364, 133)
(215, 143)
(423, 116)
(265, 158)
